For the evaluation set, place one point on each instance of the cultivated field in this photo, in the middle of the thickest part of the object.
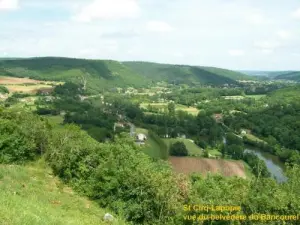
(26, 85)
(164, 107)
(188, 165)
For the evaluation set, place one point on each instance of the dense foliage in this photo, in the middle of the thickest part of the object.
(119, 176)
(178, 149)
(182, 74)
(3, 90)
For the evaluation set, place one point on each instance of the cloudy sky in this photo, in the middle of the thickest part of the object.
(233, 34)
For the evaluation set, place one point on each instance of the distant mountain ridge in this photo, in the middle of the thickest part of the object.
(277, 75)
(100, 74)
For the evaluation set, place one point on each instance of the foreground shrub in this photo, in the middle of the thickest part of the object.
(23, 136)
(116, 175)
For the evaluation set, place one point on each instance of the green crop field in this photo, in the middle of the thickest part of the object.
(164, 107)
(256, 96)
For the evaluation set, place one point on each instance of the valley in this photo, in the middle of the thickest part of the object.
(184, 135)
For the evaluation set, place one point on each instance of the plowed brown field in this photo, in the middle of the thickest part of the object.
(16, 80)
(189, 165)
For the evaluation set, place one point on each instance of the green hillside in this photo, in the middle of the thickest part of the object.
(228, 73)
(98, 74)
(290, 94)
(32, 195)
(294, 76)
(186, 74)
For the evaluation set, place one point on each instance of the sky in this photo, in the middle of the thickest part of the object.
(232, 34)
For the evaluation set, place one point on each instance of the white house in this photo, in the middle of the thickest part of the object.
(141, 137)
(243, 132)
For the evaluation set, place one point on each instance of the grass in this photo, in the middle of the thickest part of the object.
(57, 120)
(151, 148)
(248, 172)
(253, 138)
(256, 97)
(32, 195)
(164, 107)
(192, 148)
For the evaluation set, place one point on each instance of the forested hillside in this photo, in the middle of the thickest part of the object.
(99, 74)
(294, 76)
(186, 74)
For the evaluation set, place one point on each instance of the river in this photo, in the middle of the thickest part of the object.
(274, 165)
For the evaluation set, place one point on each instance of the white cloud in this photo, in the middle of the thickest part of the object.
(178, 55)
(296, 14)
(236, 52)
(108, 9)
(257, 18)
(266, 51)
(9, 4)
(159, 26)
(267, 44)
(283, 34)
(267, 47)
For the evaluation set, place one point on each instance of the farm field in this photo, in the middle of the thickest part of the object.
(163, 106)
(25, 85)
(188, 165)
(256, 96)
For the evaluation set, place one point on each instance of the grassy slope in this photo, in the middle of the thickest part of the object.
(31, 195)
(151, 148)
(186, 74)
(192, 148)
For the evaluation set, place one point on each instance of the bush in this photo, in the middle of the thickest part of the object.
(23, 136)
(178, 149)
(116, 175)
(20, 95)
(3, 90)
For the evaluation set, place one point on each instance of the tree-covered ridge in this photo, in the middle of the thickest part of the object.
(187, 74)
(95, 74)
(99, 74)
(228, 73)
(293, 75)
(286, 95)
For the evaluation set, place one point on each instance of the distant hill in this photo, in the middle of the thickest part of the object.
(100, 74)
(277, 75)
(186, 74)
(289, 94)
(293, 75)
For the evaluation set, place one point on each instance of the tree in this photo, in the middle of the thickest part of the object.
(3, 90)
(171, 109)
(178, 149)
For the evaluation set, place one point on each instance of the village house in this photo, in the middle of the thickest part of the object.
(218, 118)
(140, 139)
